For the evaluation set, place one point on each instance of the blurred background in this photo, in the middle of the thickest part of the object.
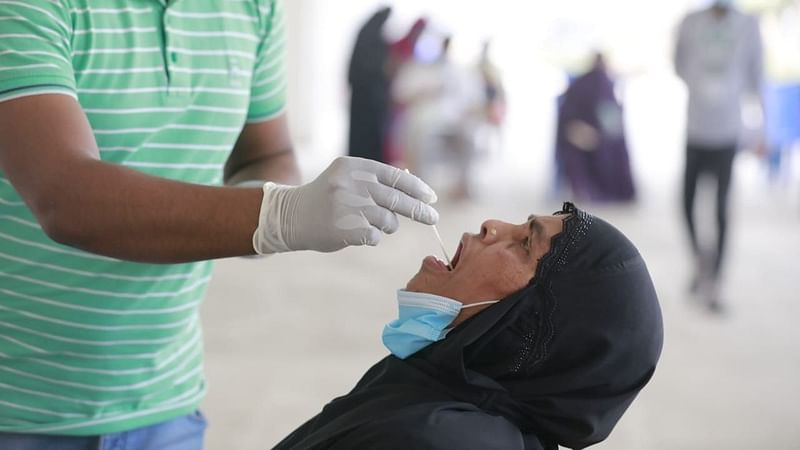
(485, 119)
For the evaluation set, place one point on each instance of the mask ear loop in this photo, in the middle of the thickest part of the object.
(488, 302)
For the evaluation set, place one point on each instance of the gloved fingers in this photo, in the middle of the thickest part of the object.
(399, 179)
(401, 203)
(363, 236)
(381, 218)
(364, 226)
(372, 237)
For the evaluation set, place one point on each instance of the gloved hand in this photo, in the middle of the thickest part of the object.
(350, 203)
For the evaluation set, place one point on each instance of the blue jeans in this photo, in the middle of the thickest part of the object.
(182, 433)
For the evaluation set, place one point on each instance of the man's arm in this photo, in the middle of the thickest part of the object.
(755, 80)
(263, 152)
(755, 60)
(48, 152)
(679, 55)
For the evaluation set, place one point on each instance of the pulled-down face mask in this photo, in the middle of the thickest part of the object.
(422, 319)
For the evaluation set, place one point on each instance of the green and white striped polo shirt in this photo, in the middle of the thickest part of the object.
(89, 344)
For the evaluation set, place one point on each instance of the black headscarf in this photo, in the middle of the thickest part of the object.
(556, 363)
(369, 89)
(371, 51)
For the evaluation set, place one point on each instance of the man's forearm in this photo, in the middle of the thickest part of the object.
(115, 211)
(280, 168)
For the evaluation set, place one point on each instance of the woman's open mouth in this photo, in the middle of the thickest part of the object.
(457, 256)
(436, 264)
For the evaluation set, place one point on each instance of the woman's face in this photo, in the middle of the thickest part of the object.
(497, 261)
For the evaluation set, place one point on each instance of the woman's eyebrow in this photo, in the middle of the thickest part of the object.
(535, 225)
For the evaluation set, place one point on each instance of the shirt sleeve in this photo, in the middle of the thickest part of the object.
(755, 63)
(679, 52)
(268, 88)
(35, 49)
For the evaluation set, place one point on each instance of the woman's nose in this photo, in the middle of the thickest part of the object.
(491, 230)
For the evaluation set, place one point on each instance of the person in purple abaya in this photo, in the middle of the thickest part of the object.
(591, 150)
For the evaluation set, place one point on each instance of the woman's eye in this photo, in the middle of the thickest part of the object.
(526, 244)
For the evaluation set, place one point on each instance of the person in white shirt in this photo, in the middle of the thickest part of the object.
(444, 102)
(720, 58)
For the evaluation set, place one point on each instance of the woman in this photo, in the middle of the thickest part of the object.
(369, 89)
(590, 139)
(555, 362)
(401, 53)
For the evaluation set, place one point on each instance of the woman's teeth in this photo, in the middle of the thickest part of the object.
(444, 263)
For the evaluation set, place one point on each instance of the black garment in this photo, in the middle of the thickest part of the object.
(718, 163)
(369, 89)
(556, 363)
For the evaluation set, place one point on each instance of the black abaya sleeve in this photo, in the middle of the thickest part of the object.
(436, 426)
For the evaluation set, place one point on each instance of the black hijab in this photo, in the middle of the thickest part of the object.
(556, 363)
(370, 53)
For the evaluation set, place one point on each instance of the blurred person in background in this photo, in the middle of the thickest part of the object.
(368, 78)
(719, 55)
(781, 32)
(541, 335)
(443, 104)
(591, 149)
(495, 102)
(401, 53)
(782, 113)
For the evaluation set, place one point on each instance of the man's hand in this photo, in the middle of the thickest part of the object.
(761, 149)
(350, 203)
(582, 135)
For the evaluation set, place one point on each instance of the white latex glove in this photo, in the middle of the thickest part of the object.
(350, 203)
(252, 184)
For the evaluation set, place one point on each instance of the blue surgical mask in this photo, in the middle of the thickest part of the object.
(423, 319)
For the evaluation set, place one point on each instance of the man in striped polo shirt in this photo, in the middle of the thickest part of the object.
(119, 121)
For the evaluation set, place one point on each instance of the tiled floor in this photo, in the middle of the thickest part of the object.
(286, 334)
